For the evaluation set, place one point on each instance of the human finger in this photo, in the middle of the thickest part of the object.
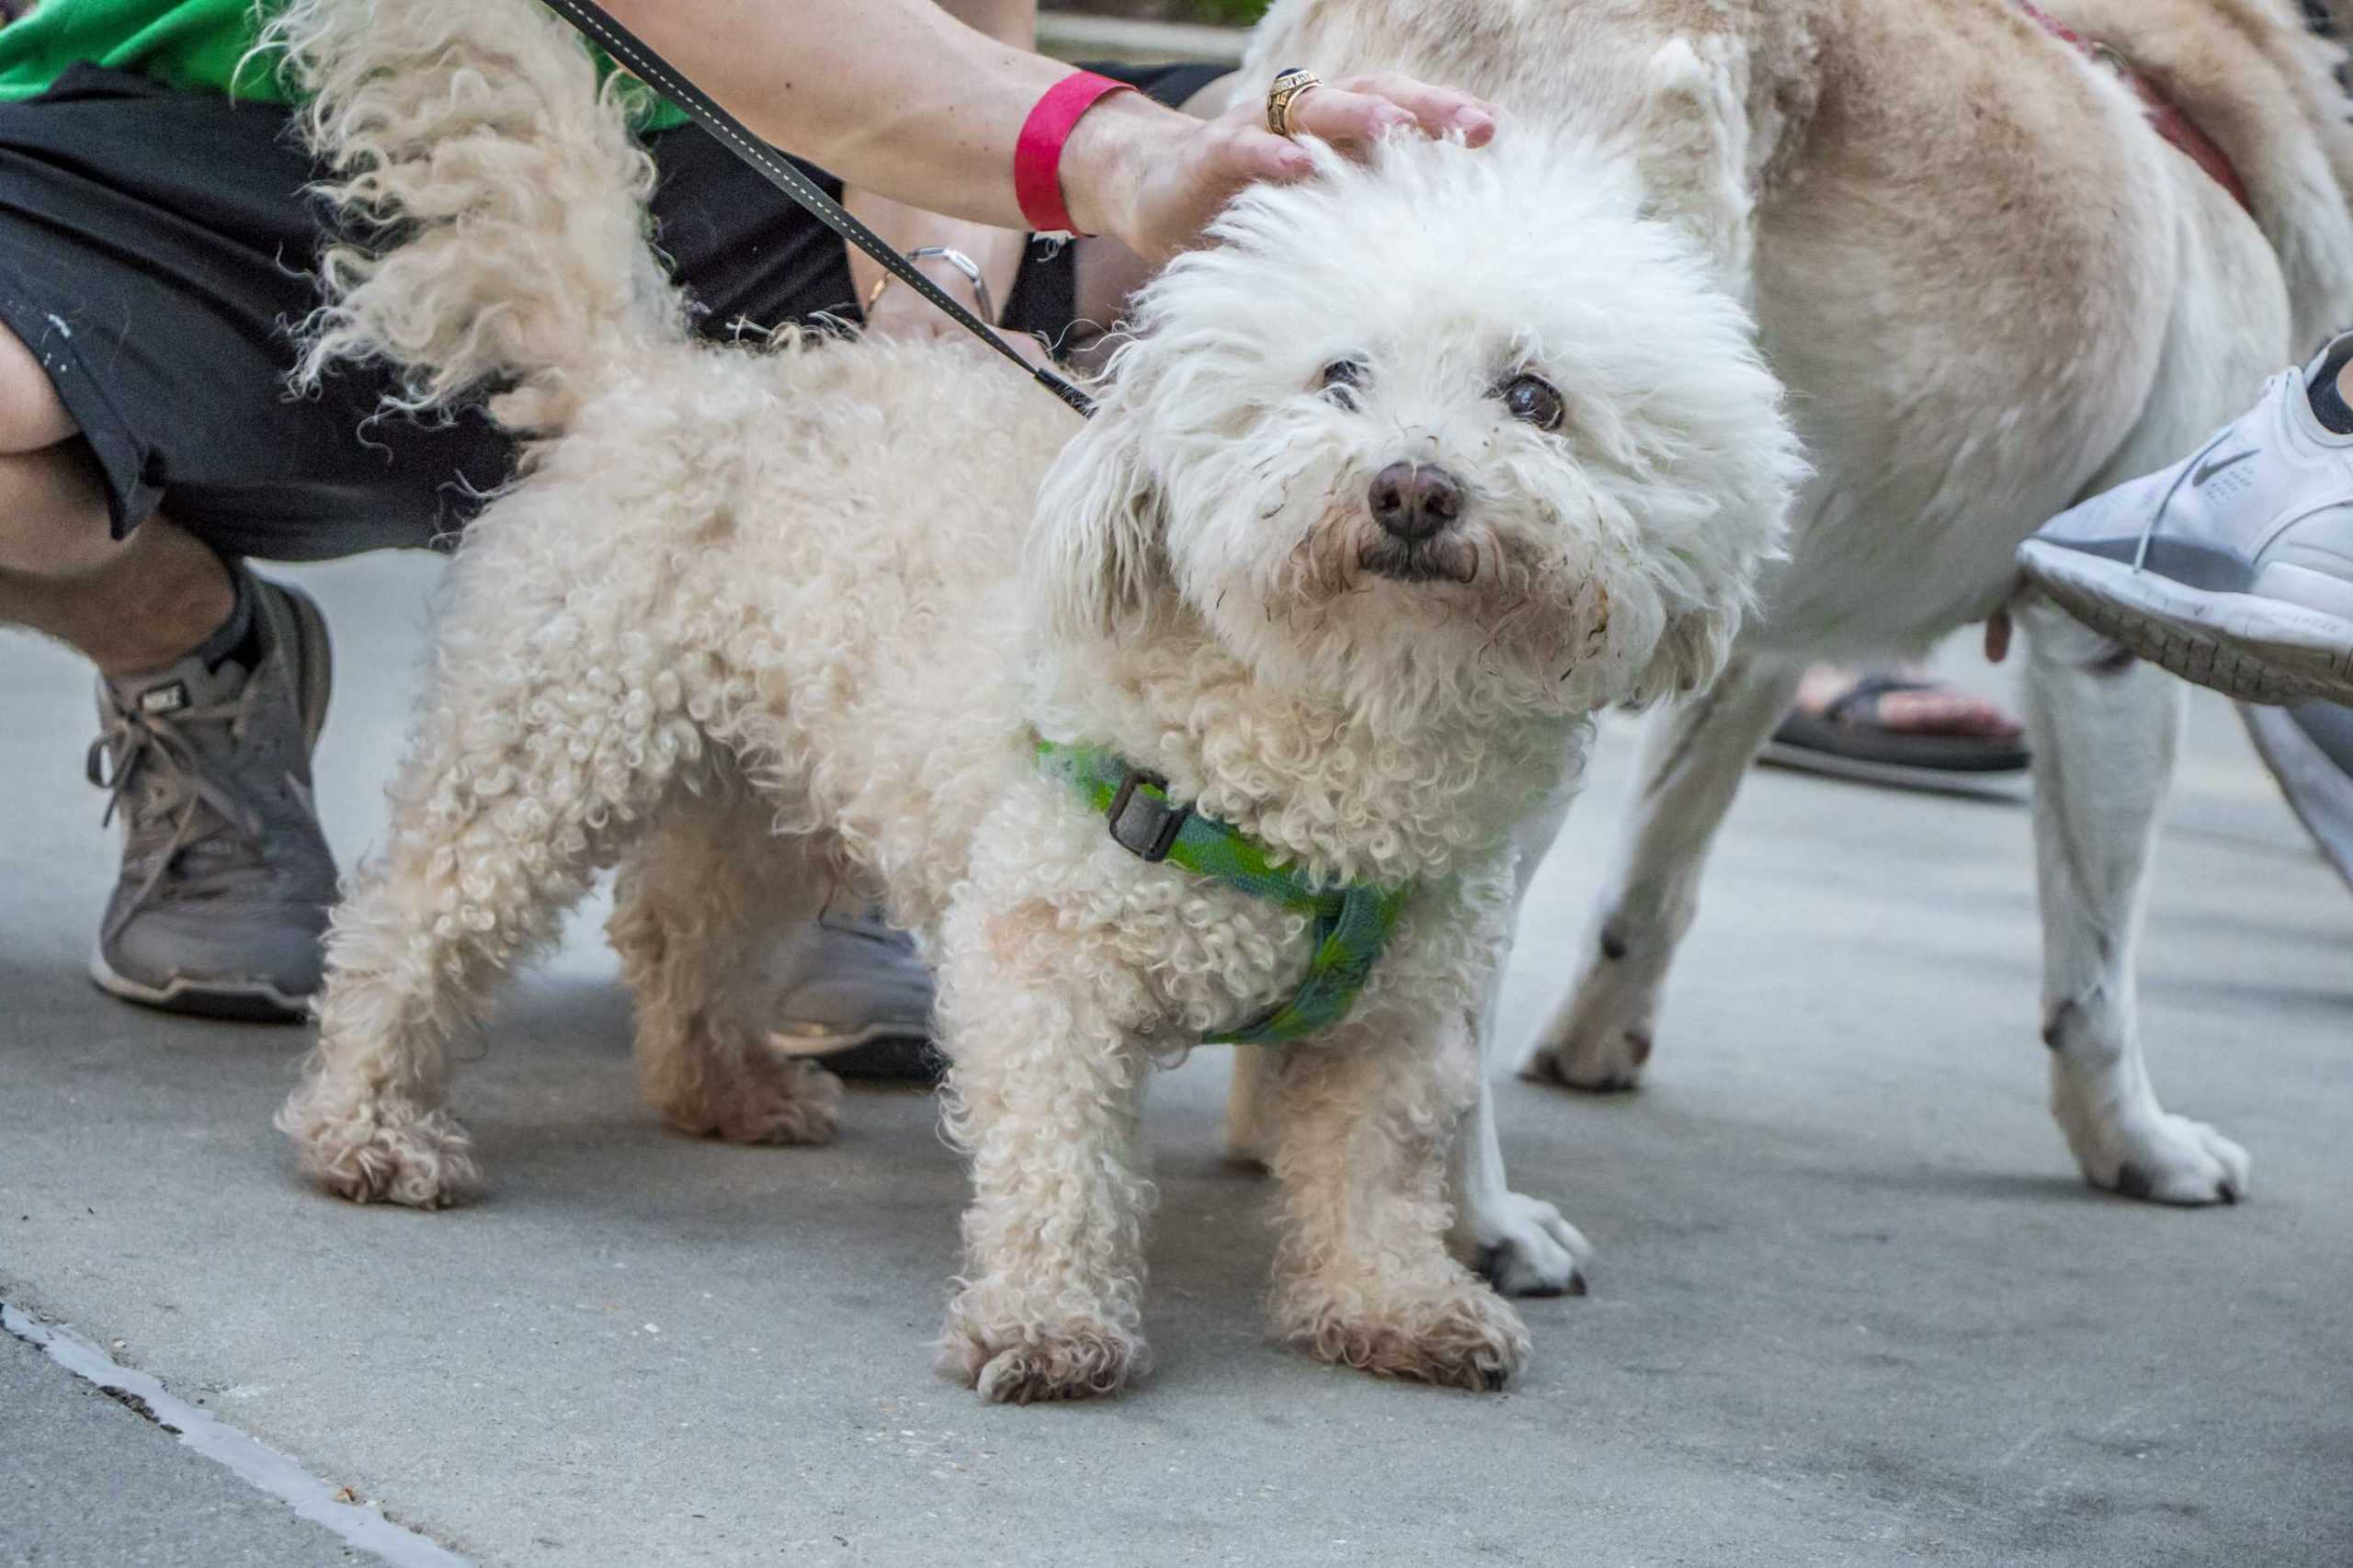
(1360, 110)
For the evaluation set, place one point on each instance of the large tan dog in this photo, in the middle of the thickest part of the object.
(1991, 289)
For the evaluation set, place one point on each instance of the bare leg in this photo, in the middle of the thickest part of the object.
(131, 604)
(703, 901)
(2104, 729)
(1362, 1275)
(1693, 759)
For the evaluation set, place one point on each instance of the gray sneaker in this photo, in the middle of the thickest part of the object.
(2234, 568)
(860, 1000)
(226, 879)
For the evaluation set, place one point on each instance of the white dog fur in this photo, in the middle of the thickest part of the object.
(1991, 289)
(755, 624)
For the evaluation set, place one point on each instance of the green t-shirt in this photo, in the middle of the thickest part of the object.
(196, 46)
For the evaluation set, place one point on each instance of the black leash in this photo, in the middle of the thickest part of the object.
(594, 23)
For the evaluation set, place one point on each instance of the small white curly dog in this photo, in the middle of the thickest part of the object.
(1399, 480)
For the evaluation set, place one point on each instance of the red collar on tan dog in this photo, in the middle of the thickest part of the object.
(2169, 118)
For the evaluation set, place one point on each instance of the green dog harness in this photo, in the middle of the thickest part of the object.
(1353, 924)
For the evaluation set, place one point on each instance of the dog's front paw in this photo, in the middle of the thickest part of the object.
(2164, 1158)
(382, 1151)
(1522, 1246)
(1468, 1338)
(1022, 1364)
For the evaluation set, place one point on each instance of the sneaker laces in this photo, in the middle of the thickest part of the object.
(137, 746)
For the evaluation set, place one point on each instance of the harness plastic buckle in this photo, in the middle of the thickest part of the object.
(1141, 825)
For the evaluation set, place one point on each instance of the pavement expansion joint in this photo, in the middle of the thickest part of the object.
(255, 1462)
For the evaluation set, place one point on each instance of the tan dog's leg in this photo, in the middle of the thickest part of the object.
(704, 906)
(1364, 1131)
(1693, 759)
(1044, 1093)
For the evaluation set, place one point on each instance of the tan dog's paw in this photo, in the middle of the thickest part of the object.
(766, 1099)
(1468, 1339)
(1085, 1359)
(382, 1151)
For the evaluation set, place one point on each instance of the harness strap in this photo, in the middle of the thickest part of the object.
(1353, 924)
(2167, 118)
(595, 23)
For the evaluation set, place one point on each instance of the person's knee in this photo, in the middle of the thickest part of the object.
(31, 413)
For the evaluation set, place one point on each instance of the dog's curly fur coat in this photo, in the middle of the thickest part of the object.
(755, 623)
(1991, 289)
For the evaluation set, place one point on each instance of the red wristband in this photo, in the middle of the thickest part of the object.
(1037, 155)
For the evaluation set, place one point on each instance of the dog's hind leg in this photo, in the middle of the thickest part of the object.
(540, 753)
(1693, 759)
(1363, 1129)
(2104, 730)
(705, 905)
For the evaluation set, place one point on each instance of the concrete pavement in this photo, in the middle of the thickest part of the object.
(1853, 1305)
(93, 1481)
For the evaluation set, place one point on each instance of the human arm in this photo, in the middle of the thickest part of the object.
(901, 98)
(996, 251)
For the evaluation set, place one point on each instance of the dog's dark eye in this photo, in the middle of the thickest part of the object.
(1531, 398)
(1339, 378)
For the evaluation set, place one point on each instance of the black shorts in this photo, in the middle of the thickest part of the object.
(156, 247)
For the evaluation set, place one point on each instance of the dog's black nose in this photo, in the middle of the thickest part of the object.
(1414, 501)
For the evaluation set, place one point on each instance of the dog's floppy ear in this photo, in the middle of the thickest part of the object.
(1094, 552)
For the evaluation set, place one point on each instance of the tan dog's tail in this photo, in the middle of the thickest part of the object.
(493, 200)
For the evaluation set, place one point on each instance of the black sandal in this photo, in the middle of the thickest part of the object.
(1846, 741)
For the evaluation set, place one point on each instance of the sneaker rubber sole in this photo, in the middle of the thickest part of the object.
(250, 1002)
(887, 1049)
(2245, 645)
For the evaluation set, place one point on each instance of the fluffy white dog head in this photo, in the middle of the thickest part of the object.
(1456, 430)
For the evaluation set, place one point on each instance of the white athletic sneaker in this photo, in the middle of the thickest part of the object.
(2234, 568)
(2309, 749)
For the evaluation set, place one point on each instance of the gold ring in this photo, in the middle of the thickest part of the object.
(1288, 86)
